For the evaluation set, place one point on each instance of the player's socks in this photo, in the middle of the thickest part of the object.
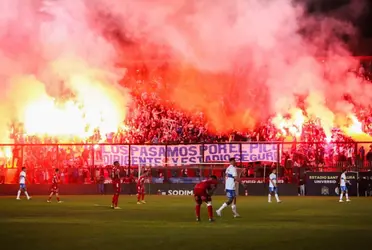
(224, 205)
(138, 197)
(269, 198)
(28, 197)
(341, 196)
(58, 199)
(18, 194)
(116, 200)
(210, 211)
(277, 198)
(233, 208)
(197, 210)
(143, 197)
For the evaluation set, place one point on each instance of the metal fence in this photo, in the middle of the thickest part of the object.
(83, 162)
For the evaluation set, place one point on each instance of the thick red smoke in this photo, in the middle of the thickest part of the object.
(244, 60)
(240, 61)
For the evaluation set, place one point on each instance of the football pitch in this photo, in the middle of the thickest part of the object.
(168, 222)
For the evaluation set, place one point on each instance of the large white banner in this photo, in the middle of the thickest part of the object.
(115, 153)
(152, 155)
(147, 155)
(179, 155)
(221, 152)
(259, 152)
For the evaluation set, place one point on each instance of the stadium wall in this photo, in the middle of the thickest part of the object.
(155, 189)
(327, 183)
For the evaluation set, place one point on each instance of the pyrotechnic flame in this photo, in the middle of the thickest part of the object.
(356, 127)
(355, 130)
(293, 124)
(6, 153)
(94, 107)
(328, 139)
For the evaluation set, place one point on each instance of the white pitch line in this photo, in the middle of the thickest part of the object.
(98, 205)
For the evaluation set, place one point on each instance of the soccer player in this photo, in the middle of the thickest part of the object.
(273, 186)
(343, 187)
(239, 172)
(22, 184)
(203, 192)
(231, 177)
(141, 188)
(115, 175)
(54, 190)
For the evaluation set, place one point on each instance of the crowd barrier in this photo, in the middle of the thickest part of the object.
(165, 155)
(316, 184)
(153, 189)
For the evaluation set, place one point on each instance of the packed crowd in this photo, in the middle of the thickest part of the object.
(153, 120)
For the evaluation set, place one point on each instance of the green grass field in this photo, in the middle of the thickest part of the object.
(168, 222)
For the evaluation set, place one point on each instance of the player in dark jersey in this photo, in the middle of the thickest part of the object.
(54, 190)
(115, 176)
(203, 192)
(141, 188)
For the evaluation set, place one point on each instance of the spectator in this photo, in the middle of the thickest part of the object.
(101, 182)
(301, 187)
(369, 157)
(2, 175)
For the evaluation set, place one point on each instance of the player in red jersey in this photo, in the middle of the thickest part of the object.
(141, 188)
(115, 176)
(203, 192)
(55, 187)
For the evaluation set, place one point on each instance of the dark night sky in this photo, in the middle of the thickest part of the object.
(362, 18)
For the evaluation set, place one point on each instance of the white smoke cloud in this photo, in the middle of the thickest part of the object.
(44, 47)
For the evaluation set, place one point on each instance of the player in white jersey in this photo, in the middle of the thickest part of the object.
(22, 184)
(231, 178)
(273, 186)
(343, 187)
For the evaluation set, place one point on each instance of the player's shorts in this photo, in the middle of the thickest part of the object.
(22, 186)
(230, 194)
(140, 189)
(273, 190)
(54, 189)
(200, 192)
(343, 188)
(201, 196)
(117, 187)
